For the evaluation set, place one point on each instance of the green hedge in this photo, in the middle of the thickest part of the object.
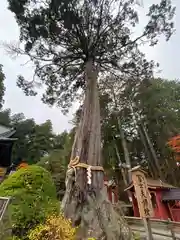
(33, 197)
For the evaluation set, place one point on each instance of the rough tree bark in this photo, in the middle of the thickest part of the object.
(123, 139)
(149, 148)
(87, 205)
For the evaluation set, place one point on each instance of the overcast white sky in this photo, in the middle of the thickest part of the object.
(167, 54)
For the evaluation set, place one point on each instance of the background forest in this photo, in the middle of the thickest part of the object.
(155, 104)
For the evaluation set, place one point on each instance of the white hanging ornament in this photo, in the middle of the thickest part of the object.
(89, 175)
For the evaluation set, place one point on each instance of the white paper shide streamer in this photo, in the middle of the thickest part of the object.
(89, 175)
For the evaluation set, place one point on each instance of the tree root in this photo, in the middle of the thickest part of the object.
(94, 214)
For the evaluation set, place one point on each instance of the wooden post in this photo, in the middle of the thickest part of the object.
(142, 193)
(143, 199)
(5, 221)
(171, 229)
(147, 225)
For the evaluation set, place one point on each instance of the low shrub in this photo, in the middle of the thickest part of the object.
(33, 198)
(55, 228)
(137, 236)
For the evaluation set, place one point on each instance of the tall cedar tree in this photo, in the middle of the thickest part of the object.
(70, 42)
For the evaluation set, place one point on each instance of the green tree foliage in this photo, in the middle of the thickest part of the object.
(24, 131)
(157, 104)
(56, 162)
(160, 114)
(160, 104)
(33, 198)
(34, 140)
(61, 36)
(41, 141)
(5, 117)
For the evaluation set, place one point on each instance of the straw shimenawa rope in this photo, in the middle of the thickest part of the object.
(74, 163)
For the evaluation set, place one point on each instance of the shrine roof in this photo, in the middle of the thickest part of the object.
(153, 184)
(6, 132)
(172, 194)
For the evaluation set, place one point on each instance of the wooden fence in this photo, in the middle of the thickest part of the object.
(159, 229)
(5, 221)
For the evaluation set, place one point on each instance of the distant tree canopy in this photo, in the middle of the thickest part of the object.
(157, 103)
(57, 161)
(33, 140)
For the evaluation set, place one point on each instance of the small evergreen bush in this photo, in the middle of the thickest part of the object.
(33, 198)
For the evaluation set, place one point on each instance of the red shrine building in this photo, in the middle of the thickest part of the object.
(165, 200)
(112, 190)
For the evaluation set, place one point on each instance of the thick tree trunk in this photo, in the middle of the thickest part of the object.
(153, 153)
(122, 169)
(149, 149)
(87, 205)
(150, 163)
(123, 140)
